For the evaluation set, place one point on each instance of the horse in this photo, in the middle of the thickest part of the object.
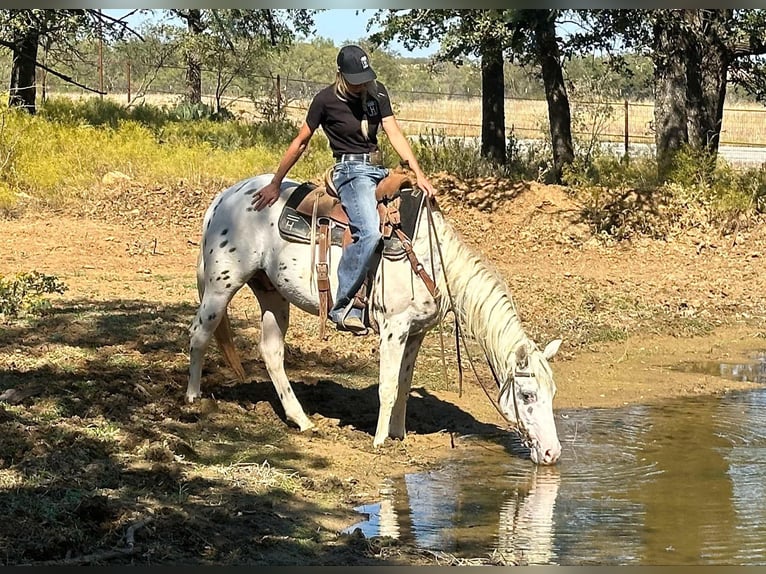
(242, 246)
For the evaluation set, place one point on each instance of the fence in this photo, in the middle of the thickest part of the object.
(623, 126)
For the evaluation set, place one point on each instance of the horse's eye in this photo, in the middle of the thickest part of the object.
(528, 396)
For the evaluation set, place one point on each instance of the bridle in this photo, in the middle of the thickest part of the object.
(509, 385)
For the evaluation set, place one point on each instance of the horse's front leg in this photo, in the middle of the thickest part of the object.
(397, 426)
(393, 338)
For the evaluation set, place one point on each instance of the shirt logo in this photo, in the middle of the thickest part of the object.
(372, 108)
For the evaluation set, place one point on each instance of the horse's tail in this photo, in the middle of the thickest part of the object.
(225, 340)
(223, 333)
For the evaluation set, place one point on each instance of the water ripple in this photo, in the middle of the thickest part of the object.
(676, 484)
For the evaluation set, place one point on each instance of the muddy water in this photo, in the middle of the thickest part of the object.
(679, 484)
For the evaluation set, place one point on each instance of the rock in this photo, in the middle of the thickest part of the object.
(114, 177)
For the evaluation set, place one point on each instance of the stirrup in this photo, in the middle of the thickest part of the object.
(352, 323)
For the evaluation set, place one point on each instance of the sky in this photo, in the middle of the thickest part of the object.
(339, 25)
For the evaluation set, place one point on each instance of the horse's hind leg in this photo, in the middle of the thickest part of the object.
(212, 309)
(275, 318)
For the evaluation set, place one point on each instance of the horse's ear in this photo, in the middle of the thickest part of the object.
(522, 357)
(551, 349)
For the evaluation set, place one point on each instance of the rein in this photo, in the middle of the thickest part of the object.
(459, 336)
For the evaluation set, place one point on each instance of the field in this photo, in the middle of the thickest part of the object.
(102, 462)
(743, 124)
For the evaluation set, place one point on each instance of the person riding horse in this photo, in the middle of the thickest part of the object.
(350, 111)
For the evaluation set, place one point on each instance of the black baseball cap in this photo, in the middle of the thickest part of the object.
(354, 65)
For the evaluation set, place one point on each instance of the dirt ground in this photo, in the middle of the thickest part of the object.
(101, 461)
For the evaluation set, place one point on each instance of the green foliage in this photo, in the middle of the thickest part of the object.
(457, 156)
(529, 162)
(24, 293)
(228, 135)
(610, 171)
(622, 200)
(728, 196)
(101, 112)
(106, 112)
(190, 111)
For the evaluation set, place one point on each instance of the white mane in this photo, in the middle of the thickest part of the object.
(482, 300)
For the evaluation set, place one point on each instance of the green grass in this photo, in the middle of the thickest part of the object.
(61, 154)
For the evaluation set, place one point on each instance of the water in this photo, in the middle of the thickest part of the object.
(754, 371)
(678, 484)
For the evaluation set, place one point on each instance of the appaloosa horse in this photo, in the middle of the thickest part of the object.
(241, 246)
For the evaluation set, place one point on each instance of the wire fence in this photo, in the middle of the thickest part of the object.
(623, 126)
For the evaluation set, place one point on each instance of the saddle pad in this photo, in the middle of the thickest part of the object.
(296, 227)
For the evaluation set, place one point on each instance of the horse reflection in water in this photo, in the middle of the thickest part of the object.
(440, 515)
(525, 528)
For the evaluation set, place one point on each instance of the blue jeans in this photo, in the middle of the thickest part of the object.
(356, 182)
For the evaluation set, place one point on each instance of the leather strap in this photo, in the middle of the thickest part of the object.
(417, 267)
(323, 275)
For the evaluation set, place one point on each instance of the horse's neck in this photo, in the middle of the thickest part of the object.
(481, 300)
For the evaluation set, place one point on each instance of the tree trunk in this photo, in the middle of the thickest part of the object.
(193, 61)
(559, 116)
(492, 104)
(670, 117)
(23, 90)
(708, 63)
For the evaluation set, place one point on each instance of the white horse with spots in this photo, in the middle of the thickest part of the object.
(241, 246)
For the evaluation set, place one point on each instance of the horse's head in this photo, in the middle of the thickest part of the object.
(526, 398)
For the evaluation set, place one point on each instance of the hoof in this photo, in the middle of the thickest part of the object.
(303, 425)
(190, 398)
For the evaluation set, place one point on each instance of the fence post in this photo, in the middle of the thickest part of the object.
(128, 71)
(627, 132)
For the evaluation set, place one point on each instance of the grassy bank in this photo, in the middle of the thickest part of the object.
(61, 154)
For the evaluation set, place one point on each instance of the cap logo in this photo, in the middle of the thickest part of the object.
(363, 60)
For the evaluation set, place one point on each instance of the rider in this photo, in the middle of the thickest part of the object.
(350, 112)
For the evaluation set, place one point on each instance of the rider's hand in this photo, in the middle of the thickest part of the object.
(266, 196)
(425, 185)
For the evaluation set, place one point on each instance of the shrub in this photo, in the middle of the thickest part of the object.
(101, 112)
(458, 156)
(24, 293)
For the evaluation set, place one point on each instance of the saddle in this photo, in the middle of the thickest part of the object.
(313, 215)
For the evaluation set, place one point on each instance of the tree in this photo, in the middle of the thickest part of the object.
(694, 52)
(191, 49)
(495, 36)
(22, 30)
(226, 40)
(542, 47)
(462, 33)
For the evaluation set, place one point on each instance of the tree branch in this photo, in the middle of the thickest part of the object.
(123, 25)
(272, 27)
(64, 77)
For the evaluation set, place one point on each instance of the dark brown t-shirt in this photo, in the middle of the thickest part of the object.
(342, 121)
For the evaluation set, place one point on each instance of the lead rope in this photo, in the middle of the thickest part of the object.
(441, 327)
(432, 228)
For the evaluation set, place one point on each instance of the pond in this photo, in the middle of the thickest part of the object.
(682, 483)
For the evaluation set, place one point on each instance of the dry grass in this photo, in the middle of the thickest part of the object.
(743, 124)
